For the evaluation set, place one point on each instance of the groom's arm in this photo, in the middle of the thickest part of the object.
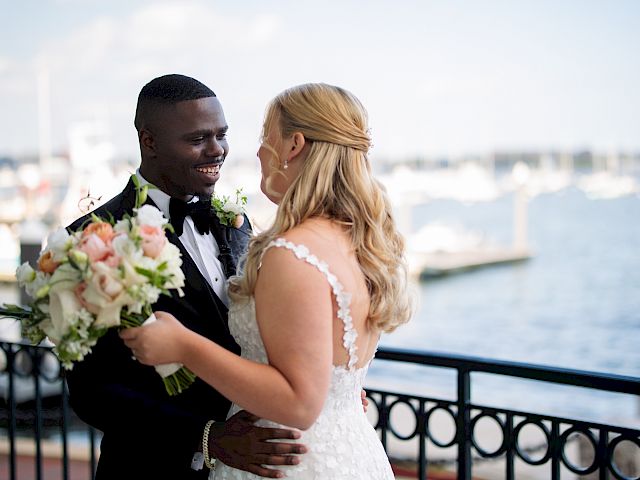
(111, 393)
(239, 443)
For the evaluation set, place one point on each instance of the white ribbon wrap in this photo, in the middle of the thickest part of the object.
(168, 368)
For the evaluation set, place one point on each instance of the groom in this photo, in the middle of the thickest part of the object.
(182, 133)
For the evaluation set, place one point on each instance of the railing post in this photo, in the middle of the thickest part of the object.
(383, 419)
(65, 430)
(601, 451)
(38, 424)
(11, 356)
(509, 457)
(422, 445)
(463, 422)
(556, 451)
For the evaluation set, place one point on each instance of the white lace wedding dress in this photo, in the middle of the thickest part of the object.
(342, 443)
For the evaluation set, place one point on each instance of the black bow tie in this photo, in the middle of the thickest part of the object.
(205, 222)
(199, 211)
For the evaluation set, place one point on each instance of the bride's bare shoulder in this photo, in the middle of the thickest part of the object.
(319, 235)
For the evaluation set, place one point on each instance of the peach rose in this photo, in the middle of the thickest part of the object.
(153, 240)
(112, 260)
(103, 230)
(96, 248)
(46, 263)
(105, 292)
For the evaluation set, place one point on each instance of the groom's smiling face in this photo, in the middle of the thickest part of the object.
(185, 146)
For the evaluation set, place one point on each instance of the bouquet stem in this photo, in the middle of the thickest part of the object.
(176, 377)
(179, 381)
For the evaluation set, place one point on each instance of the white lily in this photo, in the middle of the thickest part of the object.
(63, 305)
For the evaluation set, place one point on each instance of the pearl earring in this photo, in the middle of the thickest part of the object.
(286, 164)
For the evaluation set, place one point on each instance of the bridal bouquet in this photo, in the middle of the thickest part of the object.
(107, 274)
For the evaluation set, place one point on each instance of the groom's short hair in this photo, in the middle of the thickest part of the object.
(167, 90)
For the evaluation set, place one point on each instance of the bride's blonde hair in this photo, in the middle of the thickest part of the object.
(335, 182)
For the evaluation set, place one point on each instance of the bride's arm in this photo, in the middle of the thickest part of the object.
(294, 310)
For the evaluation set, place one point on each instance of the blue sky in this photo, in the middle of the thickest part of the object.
(438, 77)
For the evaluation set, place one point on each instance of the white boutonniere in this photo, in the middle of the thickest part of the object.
(229, 212)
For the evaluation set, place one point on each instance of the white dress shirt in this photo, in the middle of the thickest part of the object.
(203, 249)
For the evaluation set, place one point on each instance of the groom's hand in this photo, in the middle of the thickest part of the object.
(240, 444)
(365, 400)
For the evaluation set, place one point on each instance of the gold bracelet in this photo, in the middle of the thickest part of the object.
(208, 461)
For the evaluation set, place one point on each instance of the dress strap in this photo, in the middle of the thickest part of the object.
(343, 299)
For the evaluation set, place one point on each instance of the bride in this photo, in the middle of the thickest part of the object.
(316, 291)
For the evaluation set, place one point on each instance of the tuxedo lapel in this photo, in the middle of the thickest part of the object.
(225, 256)
(232, 243)
(198, 294)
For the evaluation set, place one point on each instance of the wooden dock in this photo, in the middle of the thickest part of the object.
(424, 265)
(7, 277)
(429, 265)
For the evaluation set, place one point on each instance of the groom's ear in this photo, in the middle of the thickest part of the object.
(146, 139)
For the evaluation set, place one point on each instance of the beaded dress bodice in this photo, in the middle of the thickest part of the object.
(342, 443)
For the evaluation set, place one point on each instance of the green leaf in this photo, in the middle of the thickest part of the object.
(135, 180)
(145, 271)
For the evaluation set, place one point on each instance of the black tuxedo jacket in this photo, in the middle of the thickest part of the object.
(146, 432)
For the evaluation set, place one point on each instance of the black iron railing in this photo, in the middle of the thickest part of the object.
(557, 432)
(34, 407)
(35, 413)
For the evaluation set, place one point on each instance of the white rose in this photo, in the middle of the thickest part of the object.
(149, 293)
(121, 226)
(130, 257)
(130, 276)
(59, 242)
(25, 274)
(234, 208)
(171, 255)
(149, 215)
(125, 248)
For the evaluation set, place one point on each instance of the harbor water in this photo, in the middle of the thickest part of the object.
(574, 304)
